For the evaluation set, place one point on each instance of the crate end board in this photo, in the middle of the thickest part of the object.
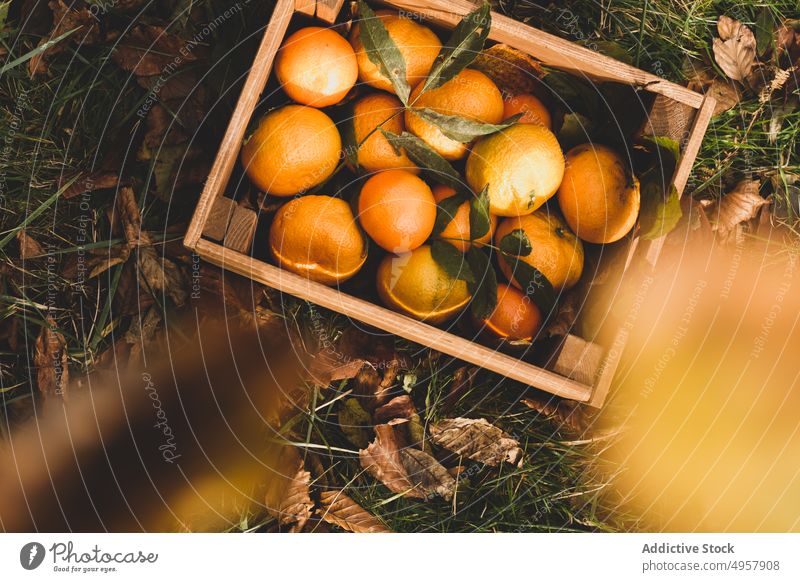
(392, 322)
(592, 381)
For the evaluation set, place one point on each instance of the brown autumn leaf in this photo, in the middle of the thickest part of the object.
(512, 70)
(735, 49)
(29, 248)
(737, 206)
(340, 510)
(141, 334)
(402, 407)
(329, 366)
(95, 181)
(148, 50)
(51, 361)
(563, 322)
(65, 19)
(726, 94)
(287, 497)
(564, 413)
(405, 470)
(460, 385)
(478, 440)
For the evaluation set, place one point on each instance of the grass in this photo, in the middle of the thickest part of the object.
(80, 117)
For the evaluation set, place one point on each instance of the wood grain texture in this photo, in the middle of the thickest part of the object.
(579, 360)
(219, 218)
(552, 50)
(232, 141)
(307, 7)
(241, 230)
(328, 10)
(392, 322)
(669, 118)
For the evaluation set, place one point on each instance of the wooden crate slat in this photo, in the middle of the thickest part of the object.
(552, 50)
(241, 229)
(392, 322)
(219, 218)
(579, 360)
(231, 142)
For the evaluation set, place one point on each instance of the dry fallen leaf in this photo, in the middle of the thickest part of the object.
(739, 205)
(340, 510)
(141, 334)
(565, 414)
(512, 70)
(478, 440)
(95, 181)
(726, 94)
(461, 384)
(735, 49)
(28, 246)
(287, 497)
(149, 50)
(65, 19)
(328, 366)
(51, 361)
(402, 407)
(404, 470)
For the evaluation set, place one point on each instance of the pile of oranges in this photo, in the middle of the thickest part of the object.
(496, 213)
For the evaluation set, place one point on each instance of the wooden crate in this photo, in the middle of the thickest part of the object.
(221, 231)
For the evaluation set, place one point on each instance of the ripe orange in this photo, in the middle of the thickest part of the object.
(533, 110)
(599, 196)
(523, 166)
(316, 66)
(293, 149)
(376, 153)
(470, 94)
(317, 236)
(557, 253)
(457, 231)
(397, 210)
(414, 283)
(418, 44)
(515, 317)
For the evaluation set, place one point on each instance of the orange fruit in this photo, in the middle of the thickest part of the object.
(316, 66)
(418, 44)
(317, 236)
(470, 94)
(457, 231)
(557, 253)
(533, 110)
(376, 153)
(293, 149)
(515, 317)
(397, 210)
(414, 284)
(599, 196)
(523, 166)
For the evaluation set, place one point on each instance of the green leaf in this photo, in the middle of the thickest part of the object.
(440, 169)
(461, 48)
(445, 212)
(382, 51)
(659, 213)
(4, 12)
(484, 288)
(666, 144)
(460, 128)
(479, 218)
(765, 30)
(535, 285)
(578, 95)
(354, 422)
(350, 144)
(451, 260)
(516, 244)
